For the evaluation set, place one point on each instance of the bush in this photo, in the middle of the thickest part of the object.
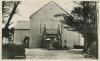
(12, 50)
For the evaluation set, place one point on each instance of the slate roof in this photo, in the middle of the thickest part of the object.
(23, 25)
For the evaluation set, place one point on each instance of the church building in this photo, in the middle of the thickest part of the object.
(45, 30)
(44, 19)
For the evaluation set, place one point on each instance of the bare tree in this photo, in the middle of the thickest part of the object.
(8, 10)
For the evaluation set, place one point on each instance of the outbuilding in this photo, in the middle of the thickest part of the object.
(22, 32)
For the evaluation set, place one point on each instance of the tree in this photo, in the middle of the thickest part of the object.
(84, 19)
(87, 11)
(9, 8)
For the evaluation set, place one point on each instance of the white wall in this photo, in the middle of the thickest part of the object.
(19, 36)
(72, 38)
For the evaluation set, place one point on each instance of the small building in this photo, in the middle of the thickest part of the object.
(21, 32)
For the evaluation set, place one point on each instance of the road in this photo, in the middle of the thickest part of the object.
(54, 54)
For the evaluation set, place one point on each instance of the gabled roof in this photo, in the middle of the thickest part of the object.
(23, 25)
(51, 2)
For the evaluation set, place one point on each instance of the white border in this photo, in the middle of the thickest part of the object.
(46, 59)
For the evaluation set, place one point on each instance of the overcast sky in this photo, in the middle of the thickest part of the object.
(28, 7)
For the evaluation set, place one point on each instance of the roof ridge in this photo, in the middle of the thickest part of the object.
(23, 21)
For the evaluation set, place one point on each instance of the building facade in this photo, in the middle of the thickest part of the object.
(21, 32)
(45, 16)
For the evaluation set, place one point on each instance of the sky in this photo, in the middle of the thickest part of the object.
(28, 7)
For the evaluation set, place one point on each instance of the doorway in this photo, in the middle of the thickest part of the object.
(26, 42)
